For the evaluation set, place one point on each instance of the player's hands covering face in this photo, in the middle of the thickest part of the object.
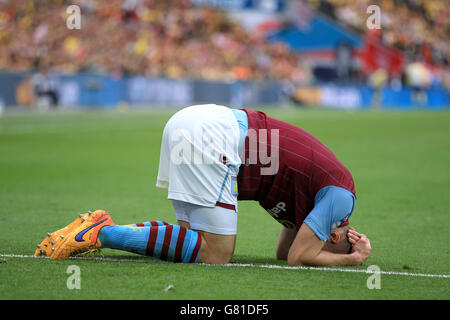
(360, 244)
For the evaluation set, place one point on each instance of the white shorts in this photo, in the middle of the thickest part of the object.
(216, 220)
(199, 159)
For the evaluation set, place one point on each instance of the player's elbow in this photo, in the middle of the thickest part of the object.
(302, 258)
(296, 259)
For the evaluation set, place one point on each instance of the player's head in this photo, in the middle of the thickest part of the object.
(337, 241)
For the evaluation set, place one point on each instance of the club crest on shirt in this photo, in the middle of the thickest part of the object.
(234, 186)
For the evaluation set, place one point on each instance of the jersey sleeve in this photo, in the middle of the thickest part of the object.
(333, 206)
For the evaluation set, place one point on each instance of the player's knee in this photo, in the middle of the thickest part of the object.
(217, 256)
(215, 259)
(213, 252)
(219, 259)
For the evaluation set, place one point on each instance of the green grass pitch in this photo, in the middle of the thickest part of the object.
(56, 165)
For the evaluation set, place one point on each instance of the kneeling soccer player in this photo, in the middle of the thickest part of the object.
(208, 153)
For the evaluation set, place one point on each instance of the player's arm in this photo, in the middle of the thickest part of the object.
(306, 249)
(284, 243)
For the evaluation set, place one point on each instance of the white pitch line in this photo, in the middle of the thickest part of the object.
(250, 265)
(339, 270)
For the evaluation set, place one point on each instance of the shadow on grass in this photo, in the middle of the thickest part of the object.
(238, 259)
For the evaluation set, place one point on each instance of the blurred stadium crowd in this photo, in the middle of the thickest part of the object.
(176, 39)
(420, 29)
(154, 38)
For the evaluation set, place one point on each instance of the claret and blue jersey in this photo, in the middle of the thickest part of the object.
(310, 186)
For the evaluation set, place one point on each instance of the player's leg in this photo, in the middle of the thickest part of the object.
(212, 240)
(167, 242)
(161, 240)
(216, 248)
(217, 227)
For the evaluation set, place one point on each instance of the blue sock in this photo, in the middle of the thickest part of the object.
(164, 241)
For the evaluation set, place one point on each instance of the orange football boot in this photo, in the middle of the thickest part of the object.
(47, 246)
(83, 237)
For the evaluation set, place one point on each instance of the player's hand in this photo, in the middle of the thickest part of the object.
(361, 249)
(353, 236)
